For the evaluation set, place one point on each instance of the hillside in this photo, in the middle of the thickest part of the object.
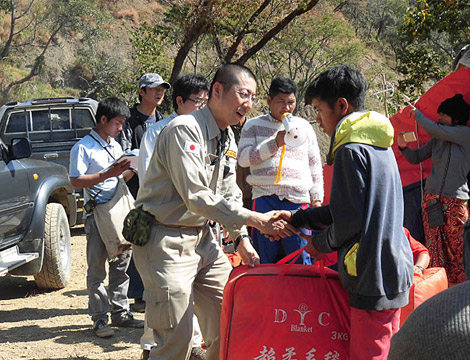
(103, 61)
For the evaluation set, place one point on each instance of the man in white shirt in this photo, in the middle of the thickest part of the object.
(190, 93)
(93, 168)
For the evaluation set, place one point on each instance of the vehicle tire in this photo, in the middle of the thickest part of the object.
(57, 259)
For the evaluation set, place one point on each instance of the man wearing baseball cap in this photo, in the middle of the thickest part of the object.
(151, 90)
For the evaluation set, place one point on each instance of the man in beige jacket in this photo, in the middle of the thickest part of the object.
(191, 180)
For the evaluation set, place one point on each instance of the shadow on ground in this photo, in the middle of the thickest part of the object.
(75, 335)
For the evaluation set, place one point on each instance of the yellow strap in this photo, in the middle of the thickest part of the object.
(278, 177)
(350, 260)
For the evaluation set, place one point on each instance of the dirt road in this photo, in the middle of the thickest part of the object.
(37, 324)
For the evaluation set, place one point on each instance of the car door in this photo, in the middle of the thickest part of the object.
(15, 200)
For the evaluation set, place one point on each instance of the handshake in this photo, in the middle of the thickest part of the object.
(276, 225)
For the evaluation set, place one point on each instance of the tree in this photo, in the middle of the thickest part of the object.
(433, 32)
(310, 44)
(36, 25)
(235, 30)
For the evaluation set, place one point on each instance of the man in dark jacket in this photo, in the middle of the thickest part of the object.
(363, 222)
(152, 90)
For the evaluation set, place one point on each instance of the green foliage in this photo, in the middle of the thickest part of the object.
(96, 73)
(5, 5)
(149, 44)
(175, 19)
(375, 19)
(205, 34)
(151, 54)
(434, 30)
(36, 88)
(38, 26)
(420, 64)
(309, 45)
(436, 15)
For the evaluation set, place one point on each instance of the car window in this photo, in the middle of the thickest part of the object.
(17, 122)
(60, 119)
(41, 120)
(68, 123)
(82, 119)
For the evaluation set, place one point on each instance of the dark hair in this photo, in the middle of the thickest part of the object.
(282, 85)
(111, 107)
(456, 108)
(188, 84)
(338, 82)
(145, 91)
(227, 75)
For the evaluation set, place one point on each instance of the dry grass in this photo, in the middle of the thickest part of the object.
(128, 14)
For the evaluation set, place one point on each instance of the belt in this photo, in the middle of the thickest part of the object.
(197, 228)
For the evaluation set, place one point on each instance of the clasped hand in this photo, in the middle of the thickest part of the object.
(280, 227)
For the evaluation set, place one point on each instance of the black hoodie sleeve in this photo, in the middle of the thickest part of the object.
(313, 218)
(349, 190)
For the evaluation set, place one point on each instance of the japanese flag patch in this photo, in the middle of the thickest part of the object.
(191, 147)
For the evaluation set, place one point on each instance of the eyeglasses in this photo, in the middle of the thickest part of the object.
(198, 102)
(246, 96)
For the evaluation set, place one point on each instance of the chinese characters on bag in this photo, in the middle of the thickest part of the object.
(290, 354)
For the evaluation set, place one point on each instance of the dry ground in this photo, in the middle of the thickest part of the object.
(36, 324)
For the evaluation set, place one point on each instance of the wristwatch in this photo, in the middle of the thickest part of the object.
(420, 267)
(239, 238)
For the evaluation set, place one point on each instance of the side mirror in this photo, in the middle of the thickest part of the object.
(20, 148)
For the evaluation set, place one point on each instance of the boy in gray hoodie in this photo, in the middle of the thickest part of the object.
(363, 222)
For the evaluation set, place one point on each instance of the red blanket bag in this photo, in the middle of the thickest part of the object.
(284, 311)
(433, 281)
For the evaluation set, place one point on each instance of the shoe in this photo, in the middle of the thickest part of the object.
(126, 319)
(197, 354)
(102, 329)
(145, 354)
(138, 306)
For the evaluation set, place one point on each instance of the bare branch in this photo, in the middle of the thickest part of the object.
(218, 48)
(37, 63)
(275, 30)
(25, 27)
(233, 48)
(26, 11)
(340, 6)
(192, 33)
(6, 49)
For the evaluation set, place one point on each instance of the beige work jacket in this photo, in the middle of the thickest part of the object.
(186, 183)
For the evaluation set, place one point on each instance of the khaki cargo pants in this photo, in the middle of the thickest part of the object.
(184, 270)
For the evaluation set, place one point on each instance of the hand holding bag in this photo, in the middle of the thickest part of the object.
(109, 219)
